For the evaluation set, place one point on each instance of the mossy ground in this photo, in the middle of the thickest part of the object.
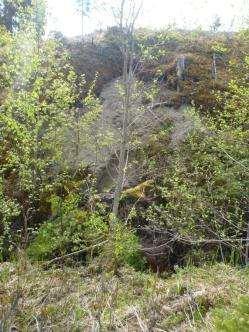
(80, 299)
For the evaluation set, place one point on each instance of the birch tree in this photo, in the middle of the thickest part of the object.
(127, 14)
(214, 28)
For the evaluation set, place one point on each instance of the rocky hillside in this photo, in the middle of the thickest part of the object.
(173, 255)
(148, 119)
(199, 58)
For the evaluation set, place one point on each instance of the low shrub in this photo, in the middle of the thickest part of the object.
(234, 320)
(127, 247)
(123, 249)
(66, 233)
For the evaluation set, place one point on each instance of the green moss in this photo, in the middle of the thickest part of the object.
(139, 191)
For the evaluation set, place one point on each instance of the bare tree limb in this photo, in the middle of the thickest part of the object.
(75, 253)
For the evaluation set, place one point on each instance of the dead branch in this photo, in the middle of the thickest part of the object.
(75, 253)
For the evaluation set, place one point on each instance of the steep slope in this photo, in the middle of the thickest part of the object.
(147, 119)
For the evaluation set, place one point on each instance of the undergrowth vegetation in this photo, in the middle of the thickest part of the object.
(234, 319)
(78, 299)
(173, 256)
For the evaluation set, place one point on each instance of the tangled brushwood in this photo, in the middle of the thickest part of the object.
(124, 159)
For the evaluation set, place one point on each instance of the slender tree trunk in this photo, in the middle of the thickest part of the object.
(77, 137)
(247, 246)
(82, 20)
(121, 14)
(127, 49)
(123, 147)
(214, 67)
(26, 218)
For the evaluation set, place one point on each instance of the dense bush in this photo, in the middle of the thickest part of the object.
(203, 191)
(32, 122)
(126, 248)
(200, 187)
(68, 231)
